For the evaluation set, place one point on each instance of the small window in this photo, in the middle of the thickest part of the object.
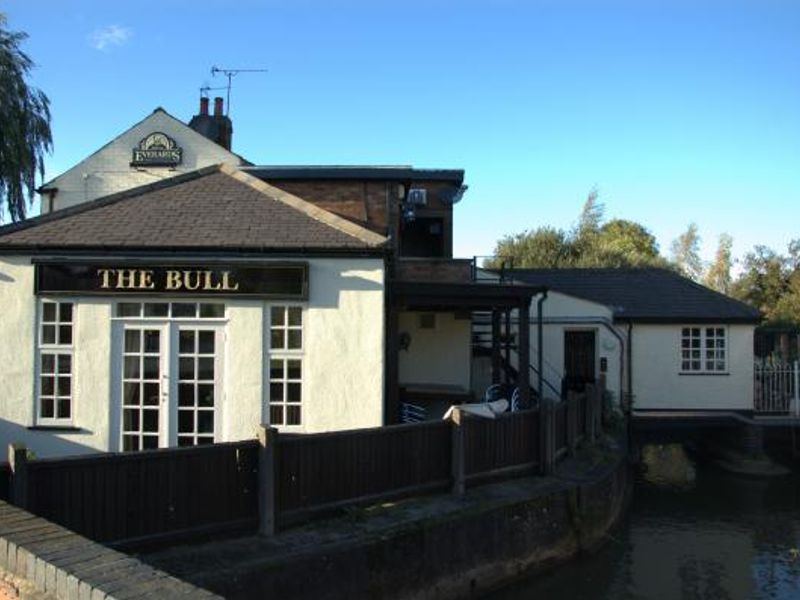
(703, 350)
(167, 310)
(54, 392)
(285, 365)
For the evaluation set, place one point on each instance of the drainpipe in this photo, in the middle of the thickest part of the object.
(539, 358)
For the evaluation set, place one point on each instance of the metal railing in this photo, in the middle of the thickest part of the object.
(776, 387)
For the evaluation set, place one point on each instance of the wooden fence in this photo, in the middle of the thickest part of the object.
(161, 496)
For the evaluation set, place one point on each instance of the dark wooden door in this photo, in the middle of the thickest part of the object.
(579, 359)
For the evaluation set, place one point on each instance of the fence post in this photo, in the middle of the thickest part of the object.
(267, 510)
(797, 388)
(18, 461)
(592, 395)
(457, 448)
(571, 419)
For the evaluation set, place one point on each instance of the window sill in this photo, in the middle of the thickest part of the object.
(61, 428)
(706, 374)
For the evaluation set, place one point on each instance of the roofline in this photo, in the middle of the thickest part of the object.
(688, 320)
(127, 253)
(345, 172)
(46, 187)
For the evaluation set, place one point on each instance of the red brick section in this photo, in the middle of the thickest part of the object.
(434, 271)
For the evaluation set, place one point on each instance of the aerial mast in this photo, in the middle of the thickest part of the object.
(230, 74)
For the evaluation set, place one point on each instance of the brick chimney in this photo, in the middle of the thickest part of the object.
(218, 128)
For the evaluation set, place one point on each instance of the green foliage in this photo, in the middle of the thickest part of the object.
(591, 243)
(718, 276)
(24, 125)
(686, 253)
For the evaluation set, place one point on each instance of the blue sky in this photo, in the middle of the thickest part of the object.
(676, 111)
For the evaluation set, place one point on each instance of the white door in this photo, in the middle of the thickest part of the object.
(171, 385)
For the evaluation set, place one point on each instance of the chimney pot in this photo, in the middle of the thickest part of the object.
(217, 106)
(203, 106)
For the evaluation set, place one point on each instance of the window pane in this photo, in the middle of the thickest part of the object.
(186, 394)
(152, 340)
(150, 420)
(295, 339)
(130, 443)
(152, 394)
(186, 368)
(151, 370)
(293, 415)
(48, 408)
(205, 369)
(204, 440)
(276, 392)
(64, 386)
(277, 315)
(156, 309)
(48, 386)
(149, 442)
(212, 311)
(48, 334)
(184, 309)
(64, 363)
(48, 363)
(129, 309)
(206, 342)
(295, 315)
(205, 421)
(132, 340)
(63, 405)
(293, 392)
(65, 334)
(65, 312)
(131, 367)
(276, 340)
(130, 419)
(294, 370)
(186, 421)
(276, 369)
(48, 312)
(186, 341)
(276, 415)
(130, 394)
(205, 394)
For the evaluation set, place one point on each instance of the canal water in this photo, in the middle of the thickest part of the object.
(693, 532)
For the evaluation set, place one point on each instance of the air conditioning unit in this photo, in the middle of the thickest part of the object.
(417, 197)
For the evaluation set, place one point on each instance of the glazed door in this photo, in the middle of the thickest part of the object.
(579, 359)
(171, 385)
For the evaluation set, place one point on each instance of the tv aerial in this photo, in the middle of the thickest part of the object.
(230, 74)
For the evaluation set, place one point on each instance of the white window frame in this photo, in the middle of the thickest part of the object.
(56, 349)
(285, 354)
(710, 350)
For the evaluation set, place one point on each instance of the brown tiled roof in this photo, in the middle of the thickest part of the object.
(216, 207)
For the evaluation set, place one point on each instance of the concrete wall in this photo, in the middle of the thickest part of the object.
(108, 170)
(658, 382)
(343, 359)
(439, 356)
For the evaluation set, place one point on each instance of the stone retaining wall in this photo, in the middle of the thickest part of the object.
(67, 566)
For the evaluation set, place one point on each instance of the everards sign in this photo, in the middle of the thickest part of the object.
(276, 280)
(157, 150)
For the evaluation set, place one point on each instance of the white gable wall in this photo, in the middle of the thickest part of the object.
(659, 384)
(108, 170)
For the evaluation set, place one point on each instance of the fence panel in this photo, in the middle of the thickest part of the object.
(560, 419)
(510, 440)
(124, 498)
(5, 482)
(322, 470)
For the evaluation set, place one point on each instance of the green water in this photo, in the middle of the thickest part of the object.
(693, 533)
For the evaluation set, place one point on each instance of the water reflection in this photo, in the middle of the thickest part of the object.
(693, 533)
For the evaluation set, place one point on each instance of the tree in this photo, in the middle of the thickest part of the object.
(718, 276)
(617, 243)
(24, 126)
(764, 280)
(686, 253)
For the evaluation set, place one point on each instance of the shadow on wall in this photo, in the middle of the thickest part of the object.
(42, 444)
(334, 283)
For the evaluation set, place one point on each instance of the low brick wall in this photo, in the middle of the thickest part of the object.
(65, 565)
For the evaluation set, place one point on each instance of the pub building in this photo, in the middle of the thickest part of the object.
(172, 293)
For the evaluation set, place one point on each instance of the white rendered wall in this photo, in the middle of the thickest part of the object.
(343, 359)
(439, 356)
(658, 382)
(108, 170)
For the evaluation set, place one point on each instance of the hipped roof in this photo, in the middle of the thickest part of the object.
(214, 208)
